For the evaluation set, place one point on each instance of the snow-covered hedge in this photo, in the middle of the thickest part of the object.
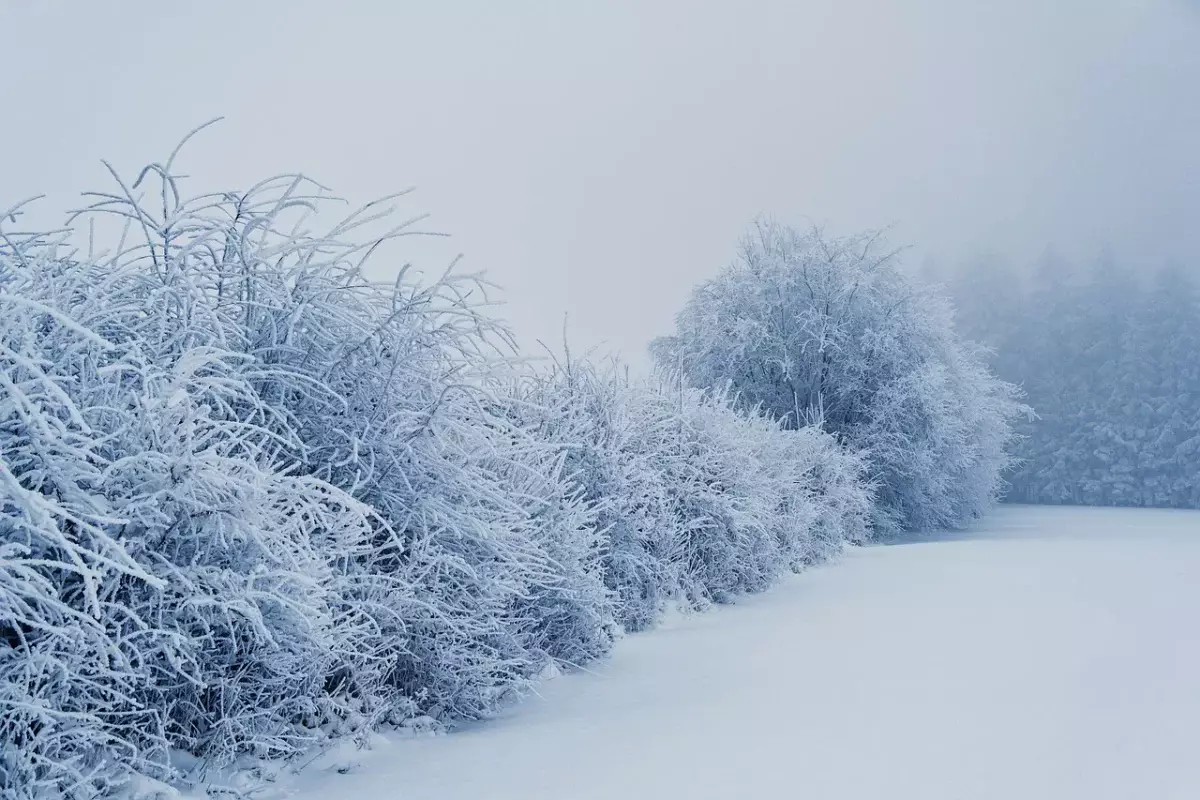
(250, 499)
(695, 501)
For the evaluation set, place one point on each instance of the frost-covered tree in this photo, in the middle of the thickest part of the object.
(1163, 414)
(819, 330)
(1107, 357)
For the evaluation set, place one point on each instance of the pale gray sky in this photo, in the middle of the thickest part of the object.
(599, 158)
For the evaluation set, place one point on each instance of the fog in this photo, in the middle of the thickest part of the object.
(599, 159)
(260, 518)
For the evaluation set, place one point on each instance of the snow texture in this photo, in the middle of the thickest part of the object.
(1043, 654)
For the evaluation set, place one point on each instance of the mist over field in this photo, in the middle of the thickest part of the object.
(386, 388)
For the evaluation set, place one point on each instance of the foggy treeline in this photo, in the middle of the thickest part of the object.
(1108, 354)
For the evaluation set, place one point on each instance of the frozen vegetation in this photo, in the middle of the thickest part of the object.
(251, 501)
(1109, 356)
(829, 332)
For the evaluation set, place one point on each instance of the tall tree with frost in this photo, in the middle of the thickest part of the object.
(820, 330)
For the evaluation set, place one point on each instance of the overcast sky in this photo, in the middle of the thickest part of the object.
(600, 158)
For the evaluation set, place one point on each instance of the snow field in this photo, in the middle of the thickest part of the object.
(1044, 654)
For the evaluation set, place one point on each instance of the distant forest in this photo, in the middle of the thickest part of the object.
(1108, 355)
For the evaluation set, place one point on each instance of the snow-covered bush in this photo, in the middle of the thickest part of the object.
(828, 331)
(825, 499)
(597, 419)
(569, 612)
(749, 496)
(145, 501)
(311, 516)
(248, 553)
(250, 498)
(723, 508)
(376, 390)
(696, 501)
(69, 678)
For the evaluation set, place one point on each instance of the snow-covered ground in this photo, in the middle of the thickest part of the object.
(1051, 653)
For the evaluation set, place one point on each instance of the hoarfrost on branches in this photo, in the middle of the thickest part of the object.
(827, 331)
(250, 499)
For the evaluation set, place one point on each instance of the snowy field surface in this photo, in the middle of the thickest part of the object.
(1050, 653)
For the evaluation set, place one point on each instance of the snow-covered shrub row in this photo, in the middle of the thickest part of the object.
(829, 332)
(250, 499)
(696, 501)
